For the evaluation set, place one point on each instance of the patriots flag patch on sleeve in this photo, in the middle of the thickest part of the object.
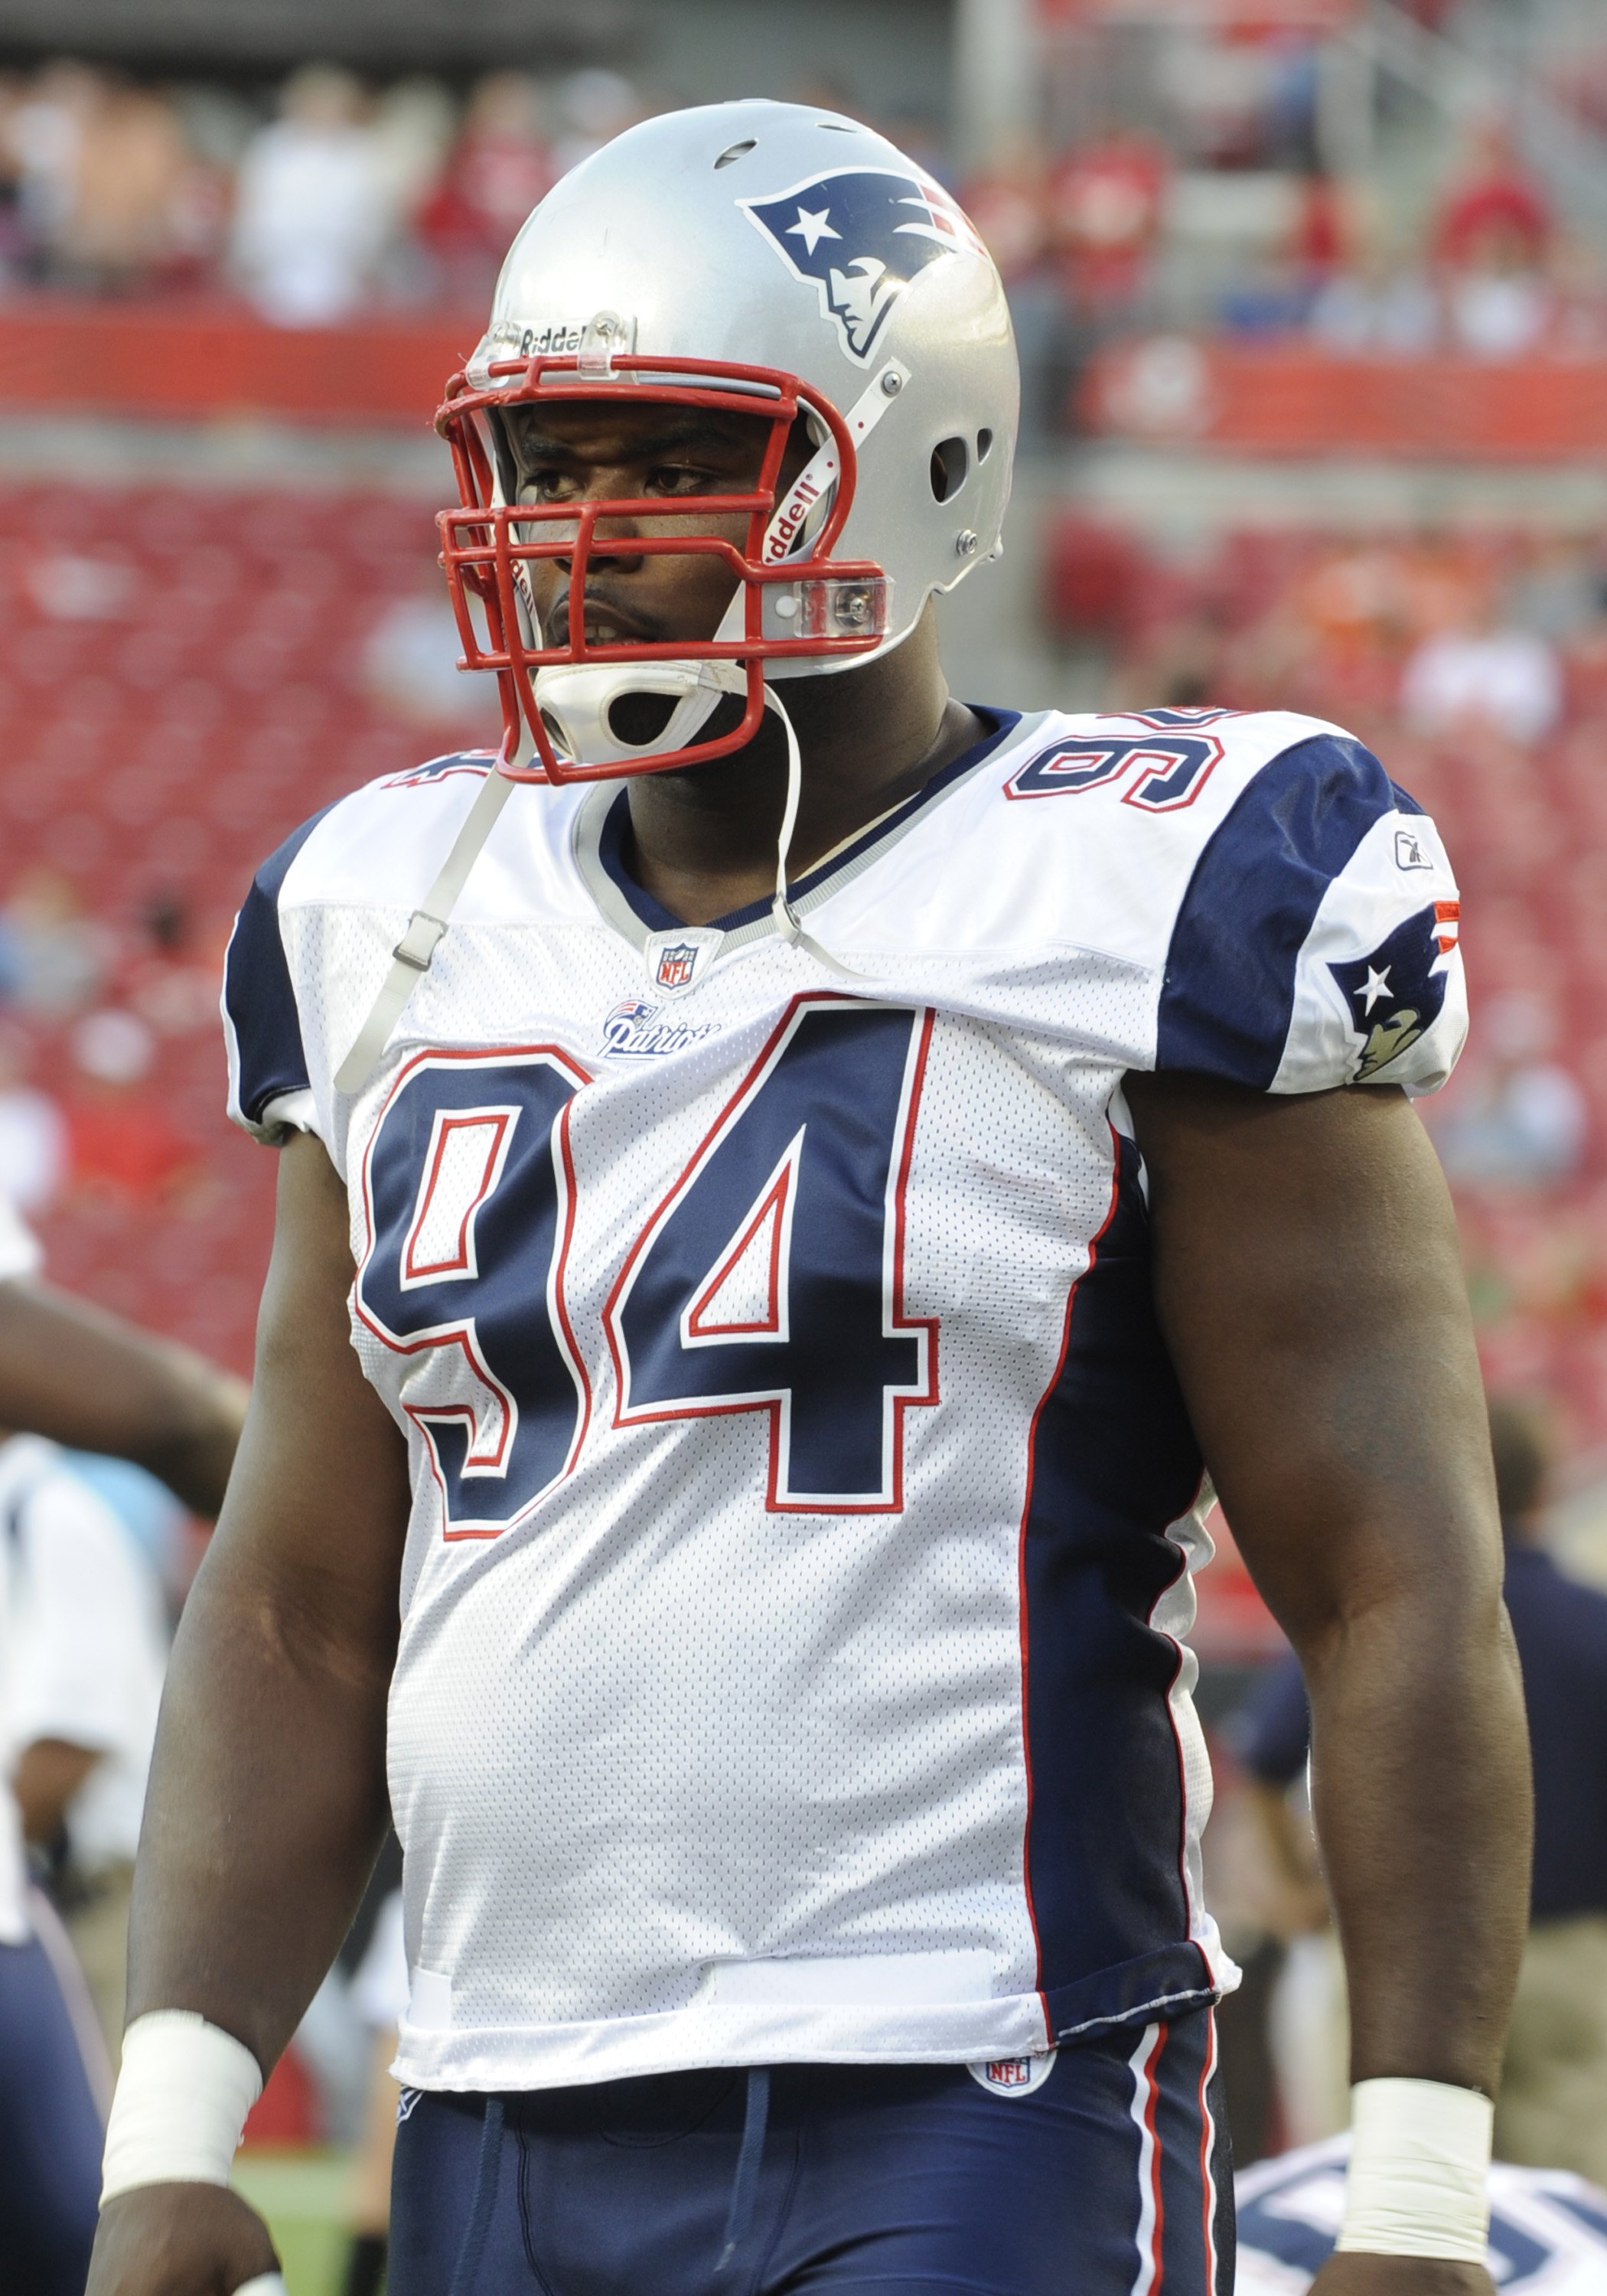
(861, 237)
(1394, 992)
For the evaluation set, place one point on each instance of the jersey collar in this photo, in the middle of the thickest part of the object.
(604, 819)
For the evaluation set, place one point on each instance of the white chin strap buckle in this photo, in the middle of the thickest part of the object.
(578, 699)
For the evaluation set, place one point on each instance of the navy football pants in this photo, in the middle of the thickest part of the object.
(50, 2132)
(1112, 2179)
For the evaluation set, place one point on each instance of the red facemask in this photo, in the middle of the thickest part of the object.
(819, 608)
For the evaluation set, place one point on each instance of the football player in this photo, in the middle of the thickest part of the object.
(72, 1372)
(790, 1184)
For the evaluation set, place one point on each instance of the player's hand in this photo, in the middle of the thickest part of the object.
(1354, 2274)
(178, 2240)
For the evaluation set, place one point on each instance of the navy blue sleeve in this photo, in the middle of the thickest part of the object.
(263, 1026)
(1271, 1733)
(1228, 998)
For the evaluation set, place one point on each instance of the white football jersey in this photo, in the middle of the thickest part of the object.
(804, 1503)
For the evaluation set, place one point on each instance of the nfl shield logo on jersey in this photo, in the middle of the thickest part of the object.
(861, 237)
(1013, 2076)
(677, 959)
(676, 964)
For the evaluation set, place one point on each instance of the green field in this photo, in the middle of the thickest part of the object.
(303, 2196)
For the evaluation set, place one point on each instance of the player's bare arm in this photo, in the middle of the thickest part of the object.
(72, 1372)
(267, 1803)
(1309, 1283)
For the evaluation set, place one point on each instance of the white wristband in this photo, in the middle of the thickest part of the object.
(1419, 2154)
(181, 2102)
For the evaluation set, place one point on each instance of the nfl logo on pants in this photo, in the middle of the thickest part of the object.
(1013, 2076)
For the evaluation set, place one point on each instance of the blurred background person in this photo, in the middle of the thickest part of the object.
(1378, 304)
(74, 1374)
(56, 955)
(87, 1651)
(379, 1991)
(76, 1597)
(1552, 2112)
(33, 1131)
(312, 216)
(45, 132)
(500, 168)
(1484, 674)
(593, 105)
(121, 220)
(122, 1144)
(1307, 2022)
(1519, 1120)
(1552, 2109)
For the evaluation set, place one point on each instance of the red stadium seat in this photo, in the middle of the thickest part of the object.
(164, 742)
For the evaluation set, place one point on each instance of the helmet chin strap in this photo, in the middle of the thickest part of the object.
(787, 922)
(410, 958)
(412, 955)
(578, 699)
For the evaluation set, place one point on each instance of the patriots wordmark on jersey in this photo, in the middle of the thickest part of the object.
(804, 1503)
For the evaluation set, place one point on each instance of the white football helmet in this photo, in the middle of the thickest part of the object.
(768, 257)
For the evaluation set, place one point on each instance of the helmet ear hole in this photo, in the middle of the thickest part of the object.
(984, 445)
(637, 719)
(950, 462)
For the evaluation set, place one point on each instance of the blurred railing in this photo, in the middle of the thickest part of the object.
(185, 360)
(1289, 398)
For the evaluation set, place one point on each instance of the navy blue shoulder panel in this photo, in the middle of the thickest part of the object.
(1228, 995)
(257, 992)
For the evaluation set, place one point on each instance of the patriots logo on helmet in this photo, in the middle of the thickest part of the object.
(861, 237)
(1396, 993)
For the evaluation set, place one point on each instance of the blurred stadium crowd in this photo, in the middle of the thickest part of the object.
(1199, 190)
(1096, 241)
(341, 198)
